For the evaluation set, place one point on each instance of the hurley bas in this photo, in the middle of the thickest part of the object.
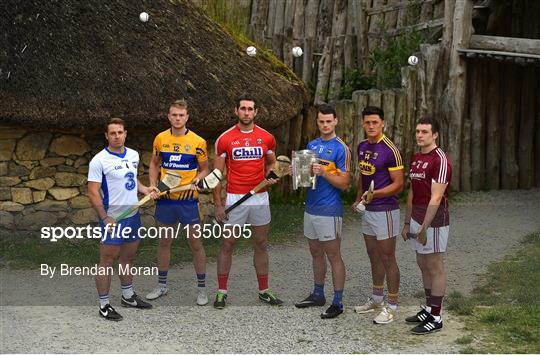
(68, 270)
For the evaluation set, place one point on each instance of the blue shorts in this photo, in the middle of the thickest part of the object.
(120, 235)
(178, 211)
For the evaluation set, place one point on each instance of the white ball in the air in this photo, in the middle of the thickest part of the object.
(413, 60)
(251, 51)
(143, 16)
(297, 52)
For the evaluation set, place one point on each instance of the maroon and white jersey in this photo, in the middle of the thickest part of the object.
(433, 167)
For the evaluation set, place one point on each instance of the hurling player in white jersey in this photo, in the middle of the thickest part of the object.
(114, 172)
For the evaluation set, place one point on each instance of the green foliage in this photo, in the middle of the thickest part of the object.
(504, 308)
(355, 79)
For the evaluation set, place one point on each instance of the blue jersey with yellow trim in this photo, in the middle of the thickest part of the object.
(334, 156)
(181, 154)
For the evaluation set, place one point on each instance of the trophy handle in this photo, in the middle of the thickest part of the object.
(314, 177)
(295, 176)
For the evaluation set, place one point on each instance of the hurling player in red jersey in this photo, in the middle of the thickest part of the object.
(427, 216)
(248, 153)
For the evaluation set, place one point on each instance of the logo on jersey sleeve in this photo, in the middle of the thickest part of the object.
(247, 153)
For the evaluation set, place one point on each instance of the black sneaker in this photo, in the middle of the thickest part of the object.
(311, 301)
(109, 313)
(418, 317)
(135, 302)
(332, 312)
(427, 326)
(270, 298)
(219, 303)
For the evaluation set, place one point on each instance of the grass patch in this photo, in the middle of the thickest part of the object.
(504, 309)
(25, 250)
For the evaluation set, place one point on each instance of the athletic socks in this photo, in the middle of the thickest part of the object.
(222, 282)
(338, 298)
(127, 291)
(103, 300)
(162, 277)
(378, 293)
(318, 291)
(435, 302)
(392, 301)
(263, 283)
(201, 280)
(427, 291)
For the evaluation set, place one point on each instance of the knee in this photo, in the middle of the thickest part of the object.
(260, 246)
(227, 246)
(165, 242)
(316, 253)
(107, 260)
(388, 258)
(334, 257)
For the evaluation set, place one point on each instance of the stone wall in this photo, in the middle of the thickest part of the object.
(43, 177)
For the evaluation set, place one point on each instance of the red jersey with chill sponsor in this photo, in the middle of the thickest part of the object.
(245, 156)
(433, 167)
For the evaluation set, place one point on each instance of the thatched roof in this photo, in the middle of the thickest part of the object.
(73, 64)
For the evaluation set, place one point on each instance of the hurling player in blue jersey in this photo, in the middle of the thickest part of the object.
(114, 172)
(324, 211)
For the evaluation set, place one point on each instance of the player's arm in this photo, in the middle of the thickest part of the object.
(339, 180)
(408, 212)
(219, 211)
(359, 192)
(153, 169)
(203, 170)
(397, 177)
(269, 162)
(437, 193)
(97, 202)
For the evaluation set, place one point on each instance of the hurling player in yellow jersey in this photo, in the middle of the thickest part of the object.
(179, 150)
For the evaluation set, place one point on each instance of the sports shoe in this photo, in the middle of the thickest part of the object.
(418, 317)
(386, 316)
(270, 298)
(109, 313)
(332, 312)
(310, 301)
(219, 303)
(157, 292)
(135, 302)
(369, 306)
(428, 326)
(202, 297)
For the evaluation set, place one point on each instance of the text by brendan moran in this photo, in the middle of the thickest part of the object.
(68, 270)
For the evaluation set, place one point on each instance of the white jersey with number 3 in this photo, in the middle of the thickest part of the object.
(117, 174)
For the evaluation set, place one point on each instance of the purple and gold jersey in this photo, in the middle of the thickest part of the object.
(375, 162)
(334, 157)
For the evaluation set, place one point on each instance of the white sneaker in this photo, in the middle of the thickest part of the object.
(369, 306)
(386, 316)
(202, 297)
(157, 292)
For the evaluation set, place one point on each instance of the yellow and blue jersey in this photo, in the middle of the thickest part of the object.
(335, 157)
(181, 155)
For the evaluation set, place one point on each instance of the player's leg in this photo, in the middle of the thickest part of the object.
(107, 254)
(375, 302)
(425, 310)
(195, 243)
(190, 215)
(167, 222)
(316, 298)
(127, 258)
(332, 249)
(433, 262)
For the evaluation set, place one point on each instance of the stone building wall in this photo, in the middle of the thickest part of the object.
(43, 177)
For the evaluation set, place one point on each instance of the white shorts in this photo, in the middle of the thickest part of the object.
(323, 228)
(383, 225)
(437, 239)
(254, 211)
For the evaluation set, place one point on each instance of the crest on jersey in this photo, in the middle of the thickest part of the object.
(259, 141)
(329, 151)
(375, 155)
(187, 148)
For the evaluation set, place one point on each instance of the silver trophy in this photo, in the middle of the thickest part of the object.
(302, 161)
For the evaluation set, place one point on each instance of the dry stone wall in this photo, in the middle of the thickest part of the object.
(43, 177)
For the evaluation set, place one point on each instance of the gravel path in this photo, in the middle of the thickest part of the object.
(63, 316)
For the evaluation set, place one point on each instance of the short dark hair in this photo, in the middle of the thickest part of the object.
(431, 121)
(115, 120)
(326, 110)
(373, 110)
(179, 104)
(245, 97)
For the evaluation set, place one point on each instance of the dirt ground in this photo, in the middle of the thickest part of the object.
(39, 314)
